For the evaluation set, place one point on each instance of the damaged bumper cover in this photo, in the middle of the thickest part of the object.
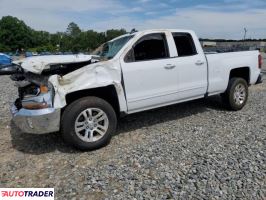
(33, 111)
(36, 121)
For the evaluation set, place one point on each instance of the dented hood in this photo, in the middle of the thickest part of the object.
(37, 64)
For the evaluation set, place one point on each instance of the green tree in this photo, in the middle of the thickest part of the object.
(90, 40)
(4, 48)
(73, 30)
(40, 38)
(47, 47)
(15, 34)
(113, 33)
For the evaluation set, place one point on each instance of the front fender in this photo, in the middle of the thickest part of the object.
(90, 77)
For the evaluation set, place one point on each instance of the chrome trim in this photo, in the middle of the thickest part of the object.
(37, 121)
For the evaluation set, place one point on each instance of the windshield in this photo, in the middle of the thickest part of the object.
(110, 49)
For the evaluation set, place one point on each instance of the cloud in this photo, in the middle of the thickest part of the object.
(53, 15)
(221, 19)
(213, 24)
(207, 24)
(62, 5)
(144, 1)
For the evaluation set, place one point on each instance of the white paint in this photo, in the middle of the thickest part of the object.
(150, 84)
(221, 64)
(36, 64)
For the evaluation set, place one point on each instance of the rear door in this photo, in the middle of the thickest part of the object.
(150, 77)
(191, 66)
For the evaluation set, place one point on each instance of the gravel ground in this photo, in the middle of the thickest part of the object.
(195, 150)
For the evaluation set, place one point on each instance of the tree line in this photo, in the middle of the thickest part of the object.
(15, 35)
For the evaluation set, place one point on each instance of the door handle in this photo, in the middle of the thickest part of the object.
(199, 62)
(169, 66)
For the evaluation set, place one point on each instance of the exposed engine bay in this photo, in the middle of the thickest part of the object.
(34, 89)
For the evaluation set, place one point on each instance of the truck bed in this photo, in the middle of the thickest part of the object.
(220, 65)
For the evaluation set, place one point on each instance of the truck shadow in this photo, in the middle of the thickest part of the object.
(45, 143)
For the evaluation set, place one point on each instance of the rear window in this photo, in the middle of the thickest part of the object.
(184, 44)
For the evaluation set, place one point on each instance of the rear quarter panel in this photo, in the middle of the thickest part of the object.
(221, 64)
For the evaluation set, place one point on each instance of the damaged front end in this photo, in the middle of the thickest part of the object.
(33, 111)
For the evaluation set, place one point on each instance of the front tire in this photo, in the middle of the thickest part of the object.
(236, 95)
(88, 123)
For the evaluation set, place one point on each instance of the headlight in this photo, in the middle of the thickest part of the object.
(44, 89)
(42, 99)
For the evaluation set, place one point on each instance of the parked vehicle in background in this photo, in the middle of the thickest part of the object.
(5, 59)
(8, 53)
(45, 53)
(67, 53)
(134, 72)
(58, 53)
(28, 54)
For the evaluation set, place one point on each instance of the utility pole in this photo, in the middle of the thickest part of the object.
(245, 34)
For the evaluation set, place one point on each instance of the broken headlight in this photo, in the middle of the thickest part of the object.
(34, 97)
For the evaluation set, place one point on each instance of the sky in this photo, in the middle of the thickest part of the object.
(223, 19)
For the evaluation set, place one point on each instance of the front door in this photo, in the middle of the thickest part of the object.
(150, 77)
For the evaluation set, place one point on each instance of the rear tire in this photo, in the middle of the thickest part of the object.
(88, 123)
(236, 95)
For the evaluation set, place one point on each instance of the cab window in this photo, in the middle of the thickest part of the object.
(184, 44)
(149, 47)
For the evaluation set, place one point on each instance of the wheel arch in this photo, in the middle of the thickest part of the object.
(108, 93)
(240, 72)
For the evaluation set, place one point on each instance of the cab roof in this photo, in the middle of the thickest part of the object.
(153, 31)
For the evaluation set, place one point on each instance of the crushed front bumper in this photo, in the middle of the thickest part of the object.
(36, 121)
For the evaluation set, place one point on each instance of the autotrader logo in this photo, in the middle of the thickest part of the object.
(27, 193)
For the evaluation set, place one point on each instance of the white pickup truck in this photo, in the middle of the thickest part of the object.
(82, 97)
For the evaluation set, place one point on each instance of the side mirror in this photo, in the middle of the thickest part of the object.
(130, 56)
